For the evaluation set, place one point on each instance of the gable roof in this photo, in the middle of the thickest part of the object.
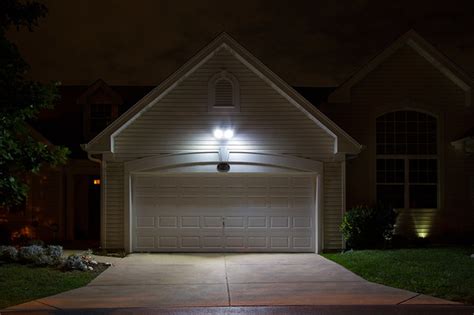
(343, 142)
(99, 84)
(411, 38)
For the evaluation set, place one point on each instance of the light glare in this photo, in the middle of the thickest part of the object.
(220, 134)
(228, 134)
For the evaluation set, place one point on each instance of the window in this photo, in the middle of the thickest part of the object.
(407, 161)
(101, 117)
(224, 92)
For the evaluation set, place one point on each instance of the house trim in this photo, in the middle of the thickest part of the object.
(224, 41)
(175, 161)
(343, 93)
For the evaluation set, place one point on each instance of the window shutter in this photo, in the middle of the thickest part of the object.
(224, 93)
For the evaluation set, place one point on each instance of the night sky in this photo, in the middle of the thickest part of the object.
(308, 43)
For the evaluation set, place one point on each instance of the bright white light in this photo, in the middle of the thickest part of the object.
(220, 134)
(228, 134)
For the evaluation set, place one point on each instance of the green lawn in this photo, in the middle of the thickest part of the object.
(442, 272)
(22, 283)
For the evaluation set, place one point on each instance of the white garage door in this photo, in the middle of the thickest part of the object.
(223, 212)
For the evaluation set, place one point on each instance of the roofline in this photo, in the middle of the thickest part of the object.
(38, 135)
(227, 42)
(453, 72)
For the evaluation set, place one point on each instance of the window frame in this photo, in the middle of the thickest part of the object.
(223, 75)
(108, 120)
(407, 158)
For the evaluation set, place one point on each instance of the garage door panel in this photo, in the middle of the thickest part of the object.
(257, 222)
(167, 222)
(168, 242)
(279, 202)
(223, 213)
(302, 222)
(212, 242)
(145, 222)
(190, 222)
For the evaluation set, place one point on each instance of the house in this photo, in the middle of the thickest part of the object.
(225, 156)
(411, 108)
(63, 205)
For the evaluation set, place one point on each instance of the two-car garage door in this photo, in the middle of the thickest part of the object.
(223, 212)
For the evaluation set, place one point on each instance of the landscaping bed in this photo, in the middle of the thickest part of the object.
(446, 273)
(31, 272)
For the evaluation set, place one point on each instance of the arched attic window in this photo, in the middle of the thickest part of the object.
(224, 92)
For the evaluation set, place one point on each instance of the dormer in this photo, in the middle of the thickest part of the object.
(100, 106)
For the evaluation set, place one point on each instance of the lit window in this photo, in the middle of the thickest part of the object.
(407, 161)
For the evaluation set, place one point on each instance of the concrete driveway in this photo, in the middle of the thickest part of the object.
(187, 280)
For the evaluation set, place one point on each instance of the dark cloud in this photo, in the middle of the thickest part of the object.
(318, 42)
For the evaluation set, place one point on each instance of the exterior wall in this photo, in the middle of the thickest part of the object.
(333, 206)
(181, 121)
(114, 205)
(113, 216)
(407, 81)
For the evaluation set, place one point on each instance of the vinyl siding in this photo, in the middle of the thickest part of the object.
(407, 80)
(114, 199)
(332, 213)
(181, 121)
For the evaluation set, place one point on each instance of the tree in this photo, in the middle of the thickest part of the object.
(21, 100)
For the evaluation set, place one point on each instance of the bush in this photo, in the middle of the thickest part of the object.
(368, 227)
(8, 253)
(51, 255)
(34, 254)
(55, 252)
(75, 262)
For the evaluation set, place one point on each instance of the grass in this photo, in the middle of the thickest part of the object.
(446, 273)
(22, 283)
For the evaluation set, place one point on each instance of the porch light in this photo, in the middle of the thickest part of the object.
(220, 134)
(96, 182)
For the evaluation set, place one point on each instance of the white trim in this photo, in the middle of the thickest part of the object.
(213, 157)
(343, 93)
(225, 41)
(289, 163)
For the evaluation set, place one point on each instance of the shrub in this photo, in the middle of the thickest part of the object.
(34, 254)
(8, 253)
(368, 227)
(75, 262)
(55, 252)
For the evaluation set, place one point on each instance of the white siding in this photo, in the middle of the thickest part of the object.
(181, 121)
(332, 213)
(114, 217)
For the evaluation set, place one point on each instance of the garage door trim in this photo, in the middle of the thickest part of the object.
(287, 164)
